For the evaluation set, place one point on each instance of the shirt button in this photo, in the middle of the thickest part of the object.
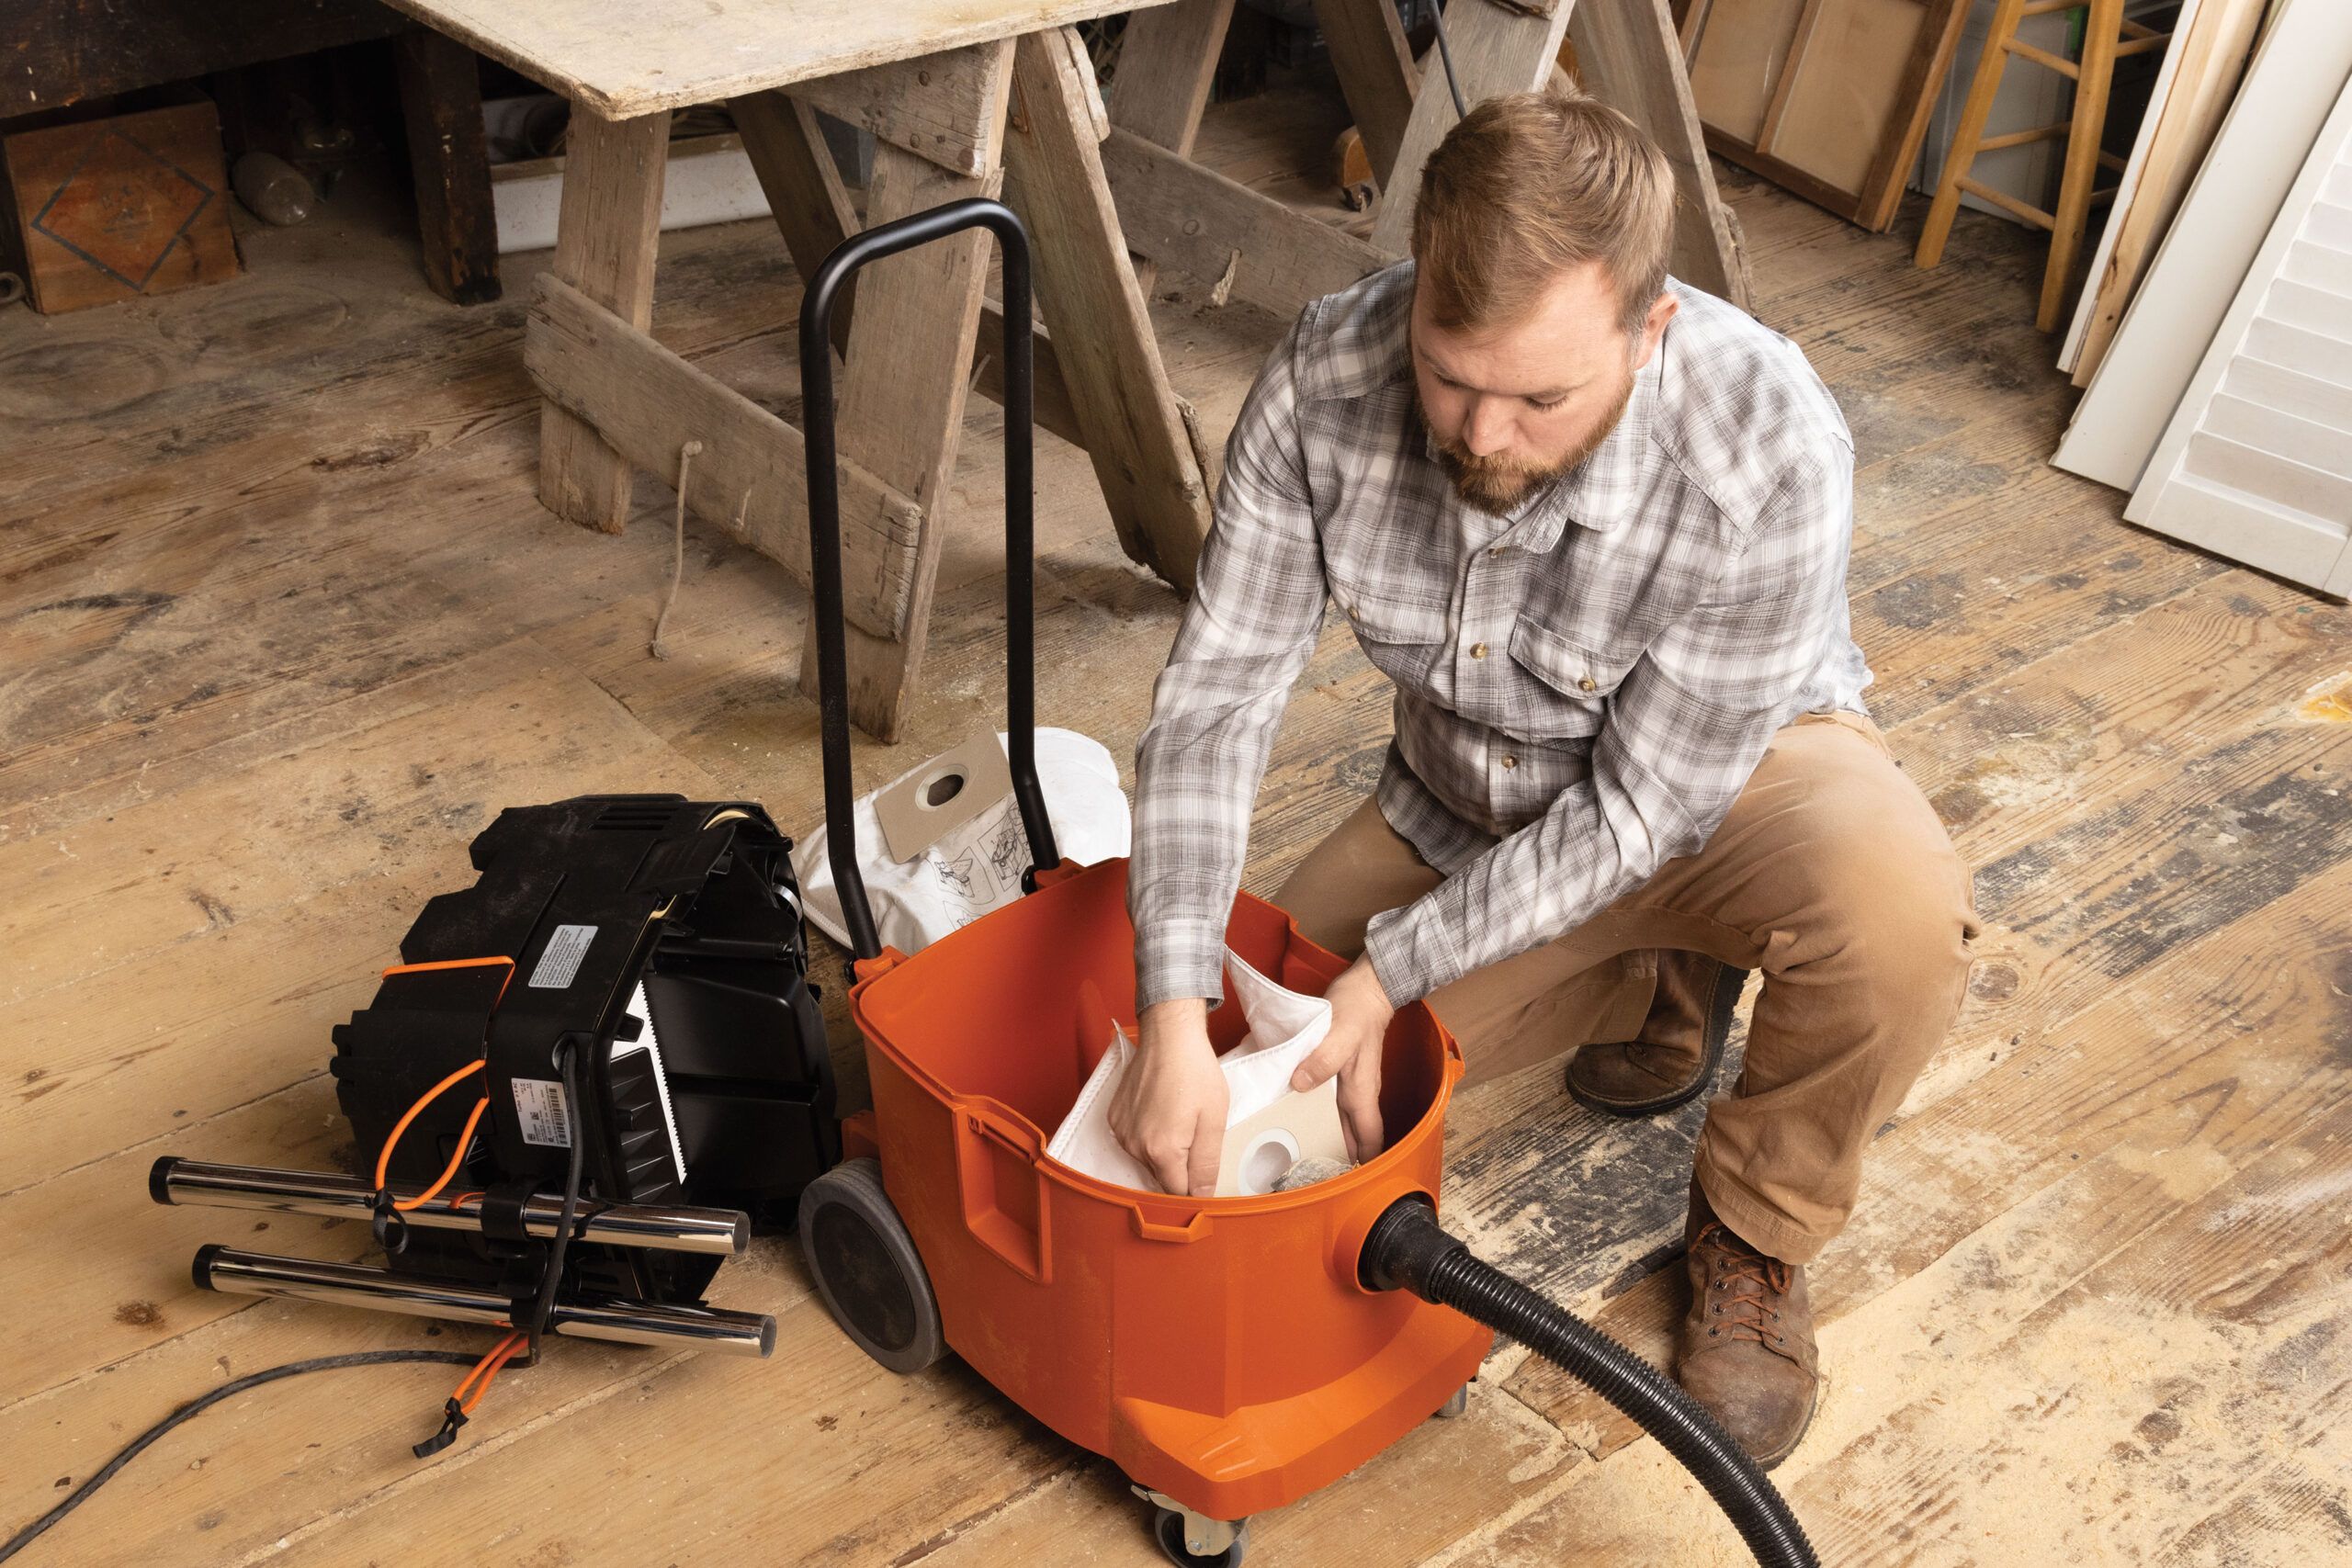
(1478, 651)
(1511, 762)
(1588, 684)
(1499, 550)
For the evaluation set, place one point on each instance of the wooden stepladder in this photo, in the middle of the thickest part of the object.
(2107, 36)
(1017, 116)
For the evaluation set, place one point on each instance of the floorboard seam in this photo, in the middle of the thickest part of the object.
(173, 1132)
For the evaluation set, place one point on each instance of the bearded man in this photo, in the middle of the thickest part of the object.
(1593, 524)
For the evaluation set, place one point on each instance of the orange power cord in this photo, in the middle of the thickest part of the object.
(487, 1369)
(457, 1157)
(468, 1393)
(384, 1158)
(476, 1383)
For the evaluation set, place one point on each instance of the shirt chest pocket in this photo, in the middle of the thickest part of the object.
(1571, 681)
(1402, 636)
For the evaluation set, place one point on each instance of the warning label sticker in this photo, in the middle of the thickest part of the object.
(560, 959)
(538, 1106)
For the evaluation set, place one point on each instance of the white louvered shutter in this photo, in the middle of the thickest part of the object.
(2257, 464)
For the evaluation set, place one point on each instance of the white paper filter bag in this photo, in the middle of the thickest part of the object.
(974, 868)
(1285, 1027)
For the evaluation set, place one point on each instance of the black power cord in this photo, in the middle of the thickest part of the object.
(196, 1407)
(453, 1415)
(567, 1064)
(1445, 54)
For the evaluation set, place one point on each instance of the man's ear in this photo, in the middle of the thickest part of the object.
(1662, 310)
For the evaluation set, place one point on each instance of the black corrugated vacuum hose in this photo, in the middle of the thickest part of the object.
(1406, 1249)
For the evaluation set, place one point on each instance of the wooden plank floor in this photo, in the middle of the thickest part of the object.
(284, 626)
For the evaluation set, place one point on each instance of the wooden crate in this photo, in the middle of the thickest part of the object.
(108, 209)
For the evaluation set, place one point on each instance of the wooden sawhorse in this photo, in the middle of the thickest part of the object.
(1013, 112)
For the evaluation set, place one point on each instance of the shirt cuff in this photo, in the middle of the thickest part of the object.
(1179, 958)
(1412, 950)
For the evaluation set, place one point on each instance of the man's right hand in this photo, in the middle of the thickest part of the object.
(1169, 1109)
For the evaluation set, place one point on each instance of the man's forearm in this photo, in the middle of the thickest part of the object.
(1537, 883)
(1176, 1018)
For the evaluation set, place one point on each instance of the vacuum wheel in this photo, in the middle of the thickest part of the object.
(1168, 1529)
(866, 1268)
(1456, 1404)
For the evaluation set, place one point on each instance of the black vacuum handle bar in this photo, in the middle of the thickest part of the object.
(825, 534)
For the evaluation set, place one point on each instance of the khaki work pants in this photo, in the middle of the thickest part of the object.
(1831, 875)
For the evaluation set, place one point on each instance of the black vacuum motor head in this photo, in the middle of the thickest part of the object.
(662, 938)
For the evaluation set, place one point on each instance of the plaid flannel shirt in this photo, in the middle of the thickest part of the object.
(1583, 686)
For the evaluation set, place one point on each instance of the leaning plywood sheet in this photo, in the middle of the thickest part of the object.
(2293, 82)
(1850, 78)
(626, 58)
(2194, 87)
(1827, 97)
(1738, 57)
(2258, 463)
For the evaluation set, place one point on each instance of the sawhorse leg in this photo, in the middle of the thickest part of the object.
(1099, 380)
(1094, 308)
(449, 162)
(1628, 50)
(910, 346)
(909, 366)
(805, 193)
(606, 235)
(1376, 74)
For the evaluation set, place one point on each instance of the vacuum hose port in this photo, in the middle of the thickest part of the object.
(1406, 1249)
(1403, 1245)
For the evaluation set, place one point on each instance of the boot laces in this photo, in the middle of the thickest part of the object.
(1749, 1312)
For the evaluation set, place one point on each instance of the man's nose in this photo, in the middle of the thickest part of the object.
(1486, 429)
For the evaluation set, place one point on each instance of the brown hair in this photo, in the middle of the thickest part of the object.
(1529, 186)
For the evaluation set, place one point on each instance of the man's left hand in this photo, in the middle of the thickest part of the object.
(1359, 1015)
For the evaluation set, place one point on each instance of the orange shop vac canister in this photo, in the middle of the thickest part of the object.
(1219, 1350)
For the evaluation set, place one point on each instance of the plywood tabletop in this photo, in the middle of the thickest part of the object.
(625, 58)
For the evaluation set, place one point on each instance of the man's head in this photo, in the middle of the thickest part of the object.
(1540, 237)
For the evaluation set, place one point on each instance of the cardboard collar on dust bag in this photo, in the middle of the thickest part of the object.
(1269, 1125)
(963, 852)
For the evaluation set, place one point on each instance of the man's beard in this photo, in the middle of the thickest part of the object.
(1497, 483)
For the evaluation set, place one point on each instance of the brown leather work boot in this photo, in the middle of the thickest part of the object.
(1680, 1044)
(1745, 1349)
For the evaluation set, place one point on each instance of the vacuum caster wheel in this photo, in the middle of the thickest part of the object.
(1176, 1530)
(866, 1268)
(1456, 1404)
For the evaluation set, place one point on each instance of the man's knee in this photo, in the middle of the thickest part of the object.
(1359, 869)
(1885, 892)
(1914, 928)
